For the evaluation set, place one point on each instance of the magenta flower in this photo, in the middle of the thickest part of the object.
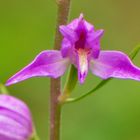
(15, 119)
(80, 47)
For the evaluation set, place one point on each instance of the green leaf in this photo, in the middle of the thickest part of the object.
(134, 52)
(70, 84)
(102, 83)
(72, 80)
(132, 55)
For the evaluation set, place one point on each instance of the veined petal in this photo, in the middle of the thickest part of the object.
(68, 33)
(114, 64)
(95, 35)
(47, 63)
(95, 49)
(83, 22)
(93, 41)
(68, 51)
(82, 62)
(66, 47)
(15, 119)
(75, 23)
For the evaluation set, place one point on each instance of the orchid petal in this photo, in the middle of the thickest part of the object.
(75, 23)
(95, 48)
(47, 63)
(67, 50)
(66, 47)
(68, 33)
(114, 64)
(96, 35)
(15, 119)
(87, 25)
(93, 40)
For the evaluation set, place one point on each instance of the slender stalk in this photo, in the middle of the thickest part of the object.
(102, 83)
(3, 89)
(55, 87)
(69, 85)
(35, 138)
(35, 135)
(71, 80)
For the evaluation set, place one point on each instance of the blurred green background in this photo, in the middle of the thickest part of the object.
(27, 27)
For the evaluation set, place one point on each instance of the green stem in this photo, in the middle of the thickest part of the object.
(134, 52)
(55, 87)
(70, 84)
(35, 138)
(132, 55)
(35, 135)
(71, 80)
(103, 82)
(3, 89)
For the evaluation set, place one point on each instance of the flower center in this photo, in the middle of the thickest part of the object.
(83, 61)
(81, 42)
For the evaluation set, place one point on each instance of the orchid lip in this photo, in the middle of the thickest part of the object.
(82, 64)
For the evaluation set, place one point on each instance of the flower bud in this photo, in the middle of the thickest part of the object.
(15, 119)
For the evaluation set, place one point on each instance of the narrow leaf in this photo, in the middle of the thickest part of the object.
(132, 55)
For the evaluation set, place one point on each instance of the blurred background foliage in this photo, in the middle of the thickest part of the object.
(113, 112)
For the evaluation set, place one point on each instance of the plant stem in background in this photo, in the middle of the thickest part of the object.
(55, 87)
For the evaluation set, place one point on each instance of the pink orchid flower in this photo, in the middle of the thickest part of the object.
(81, 48)
(15, 119)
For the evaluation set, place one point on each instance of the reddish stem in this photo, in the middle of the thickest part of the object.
(55, 87)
